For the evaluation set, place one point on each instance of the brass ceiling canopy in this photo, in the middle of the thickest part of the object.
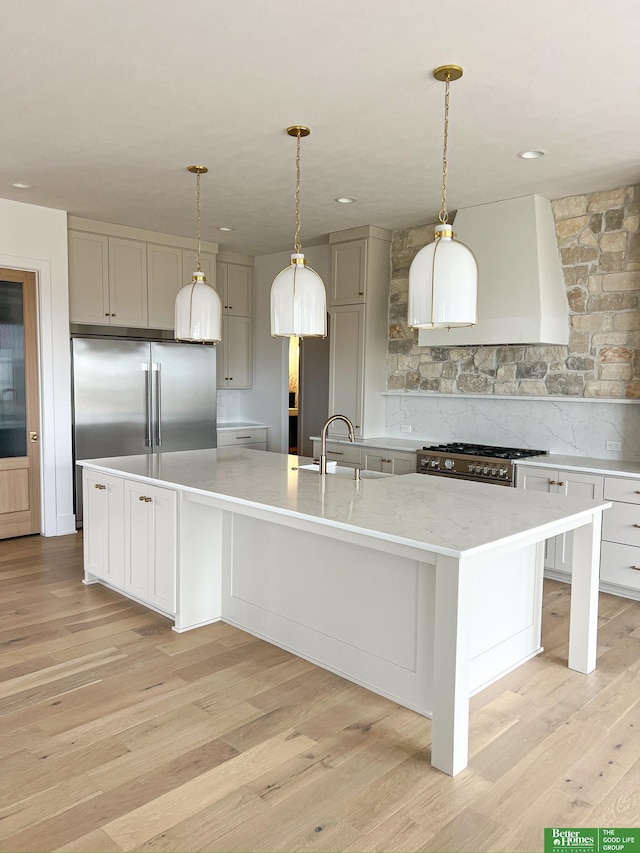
(198, 170)
(451, 72)
(298, 130)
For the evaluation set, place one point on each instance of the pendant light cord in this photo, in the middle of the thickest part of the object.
(443, 216)
(296, 243)
(198, 220)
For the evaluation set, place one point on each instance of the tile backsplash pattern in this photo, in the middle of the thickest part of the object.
(599, 242)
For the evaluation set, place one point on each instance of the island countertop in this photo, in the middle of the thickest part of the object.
(436, 514)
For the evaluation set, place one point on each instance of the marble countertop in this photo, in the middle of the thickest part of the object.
(436, 514)
(408, 445)
(588, 465)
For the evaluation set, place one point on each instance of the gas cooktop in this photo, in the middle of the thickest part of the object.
(485, 450)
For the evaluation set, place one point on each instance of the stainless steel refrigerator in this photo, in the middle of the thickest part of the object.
(134, 396)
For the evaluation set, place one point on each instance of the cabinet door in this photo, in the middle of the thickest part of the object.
(541, 480)
(128, 282)
(570, 483)
(164, 279)
(238, 298)
(88, 278)
(150, 544)
(103, 527)
(348, 272)
(207, 265)
(346, 366)
(238, 348)
(404, 464)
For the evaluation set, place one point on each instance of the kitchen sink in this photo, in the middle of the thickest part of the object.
(345, 471)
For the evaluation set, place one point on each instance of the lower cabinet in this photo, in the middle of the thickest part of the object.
(620, 546)
(104, 527)
(253, 438)
(129, 535)
(396, 462)
(559, 550)
(150, 525)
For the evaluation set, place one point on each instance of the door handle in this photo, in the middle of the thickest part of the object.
(148, 404)
(156, 368)
(33, 437)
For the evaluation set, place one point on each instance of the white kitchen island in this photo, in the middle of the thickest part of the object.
(423, 589)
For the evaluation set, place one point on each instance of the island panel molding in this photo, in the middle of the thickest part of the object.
(218, 534)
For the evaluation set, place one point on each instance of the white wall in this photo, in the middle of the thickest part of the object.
(35, 238)
(268, 400)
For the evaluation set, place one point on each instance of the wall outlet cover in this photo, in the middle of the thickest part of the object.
(406, 428)
(613, 445)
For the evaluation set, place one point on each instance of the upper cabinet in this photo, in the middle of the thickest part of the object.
(234, 283)
(120, 281)
(348, 272)
(358, 324)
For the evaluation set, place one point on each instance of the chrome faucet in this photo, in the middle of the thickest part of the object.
(323, 438)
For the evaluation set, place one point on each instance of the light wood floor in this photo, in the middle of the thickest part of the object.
(118, 734)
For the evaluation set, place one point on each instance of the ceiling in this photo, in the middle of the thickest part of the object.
(105, 102)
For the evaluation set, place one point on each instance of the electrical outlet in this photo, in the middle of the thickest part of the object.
(406, 428)
(613, 445)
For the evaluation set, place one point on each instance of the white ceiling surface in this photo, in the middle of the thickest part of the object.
(105, 102)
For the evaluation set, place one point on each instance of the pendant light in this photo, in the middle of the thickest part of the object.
(443, 277)
(198, 307)
(298, 298)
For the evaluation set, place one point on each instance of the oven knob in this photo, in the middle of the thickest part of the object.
(435, 463)
(486, 470)
(503, 472)
(472, 468)
(494, 472)
(449, 464)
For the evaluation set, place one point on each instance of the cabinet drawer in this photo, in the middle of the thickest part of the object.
(228, 437)
(341, 453)
(621, 524)
(617, 564)
(622, 489)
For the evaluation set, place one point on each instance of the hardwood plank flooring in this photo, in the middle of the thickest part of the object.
(118, 734)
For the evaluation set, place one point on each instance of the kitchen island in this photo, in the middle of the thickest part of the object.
(423, 589)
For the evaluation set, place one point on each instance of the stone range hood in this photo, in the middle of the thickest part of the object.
(521, 291)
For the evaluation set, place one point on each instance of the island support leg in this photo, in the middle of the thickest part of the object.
(583, 619)
(450, 722)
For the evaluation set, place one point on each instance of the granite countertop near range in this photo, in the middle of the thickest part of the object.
(409, 445)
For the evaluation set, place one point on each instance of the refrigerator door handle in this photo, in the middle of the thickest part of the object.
(148, 402)
(158, 439)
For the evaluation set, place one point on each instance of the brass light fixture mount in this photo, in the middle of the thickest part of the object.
(197, 170)
(452, 72)
(298, 130)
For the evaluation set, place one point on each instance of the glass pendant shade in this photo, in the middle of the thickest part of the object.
(298, 301)
(443, 284)
(198, 312)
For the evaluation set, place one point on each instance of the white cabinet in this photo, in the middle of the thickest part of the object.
(127, 282)
(620, 552)
(164, 280)
(150, 558)
(254, 438)
(88, 278)
(358, 328)
(390, 462)
(559, 550)
(117, 280)
(348, 455)
(103, 533)
(234, 283)
(348, 272)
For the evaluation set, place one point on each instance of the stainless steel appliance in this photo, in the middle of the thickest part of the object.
(137, 396)
(480, 462)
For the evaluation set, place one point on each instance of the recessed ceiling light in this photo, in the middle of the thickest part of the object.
(345, 199)
(225, 228)
(20, 185)
(534, 154)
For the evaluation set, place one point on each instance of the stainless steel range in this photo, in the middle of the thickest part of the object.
(480, 462)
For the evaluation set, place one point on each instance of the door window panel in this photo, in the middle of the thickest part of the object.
(13, 414)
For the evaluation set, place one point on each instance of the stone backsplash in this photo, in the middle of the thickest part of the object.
(599, 242)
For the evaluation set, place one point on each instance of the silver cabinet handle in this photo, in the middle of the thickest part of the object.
(635, 525)
(145, 499)
(243, 436)
(335, 452)
(635, 568)
(99, 486)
